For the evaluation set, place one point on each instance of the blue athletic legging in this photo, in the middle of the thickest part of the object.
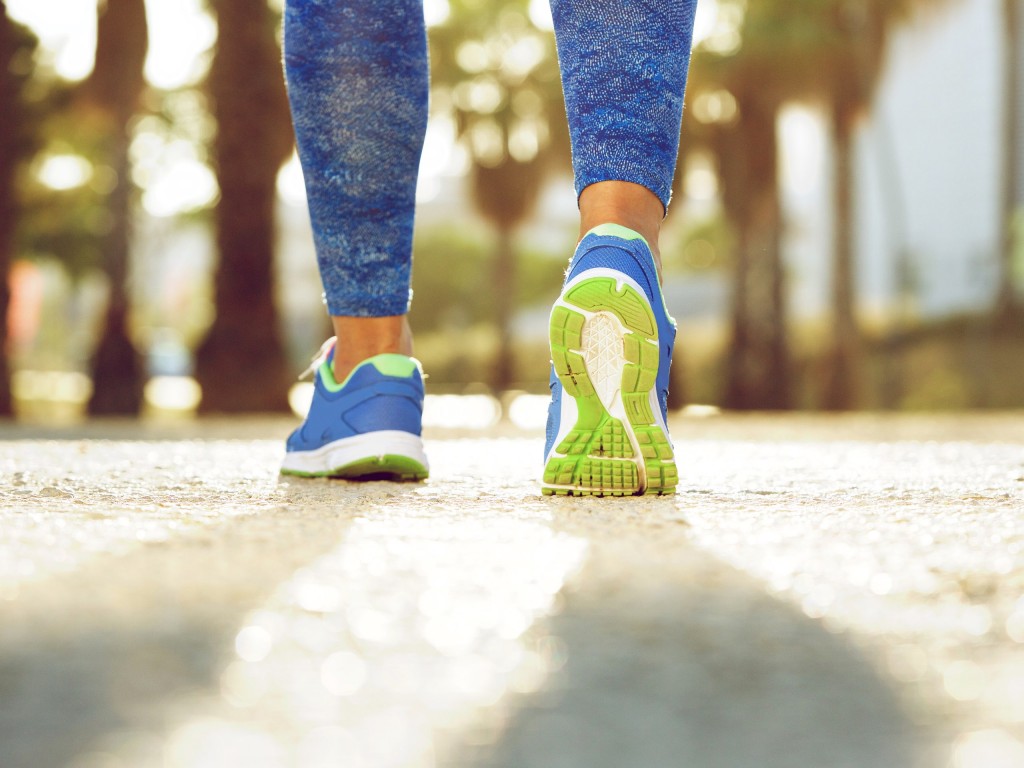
(358, 80)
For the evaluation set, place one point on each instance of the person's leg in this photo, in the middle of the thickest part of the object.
(626, 203)
(357, 76)
(624, 65)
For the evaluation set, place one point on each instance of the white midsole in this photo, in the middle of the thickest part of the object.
(567, 417)
(391, 442)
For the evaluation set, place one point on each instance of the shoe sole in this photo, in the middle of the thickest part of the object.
(605, 351)
(383, 455)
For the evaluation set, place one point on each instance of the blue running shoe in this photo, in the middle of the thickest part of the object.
(368, 427)
(611, 349)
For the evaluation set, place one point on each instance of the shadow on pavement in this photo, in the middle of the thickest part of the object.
(674, 659)
(122, 646)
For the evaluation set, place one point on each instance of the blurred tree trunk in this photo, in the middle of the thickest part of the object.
(757, 363)
(843, 360)
(678, 394)
(505, 194)
(1007, 302)
(678, 397)
(113, 91)
(504, 372)
(241, 364)
(505, 184)
(9, 154)
(854, 75)
(832, 52)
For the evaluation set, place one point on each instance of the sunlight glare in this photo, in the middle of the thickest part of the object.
(436, 12)
(991, 748)
(540, 14)
(529, 411)
(436, 158)
(803, 143)
(461, 411)
(291, 185)
(66, 31)
(253, 643)
(705, 21)
(179, 34)
(719, 30)
(52, 386)
(63, 172)
(186, 185)
(173, 393)
(300, 398)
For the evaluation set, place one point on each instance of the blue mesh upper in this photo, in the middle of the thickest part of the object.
(615, 257)
(554, 412)
(369, 402)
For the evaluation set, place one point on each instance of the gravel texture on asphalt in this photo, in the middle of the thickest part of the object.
(822, 591)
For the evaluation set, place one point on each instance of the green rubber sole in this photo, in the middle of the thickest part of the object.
(387, 467)
(603, 455)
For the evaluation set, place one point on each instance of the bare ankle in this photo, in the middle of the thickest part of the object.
(360, 338)
(627, 204)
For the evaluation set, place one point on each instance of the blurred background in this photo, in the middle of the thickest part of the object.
(846, 231)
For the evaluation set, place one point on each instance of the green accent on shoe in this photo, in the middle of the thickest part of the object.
(388, 363)
(617, 230)
(392, 364)
(387, 467)
(602, 293)
(327, 377)
(597, 456)
(625, 233)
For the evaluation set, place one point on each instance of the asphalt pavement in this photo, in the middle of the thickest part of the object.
(822, 591)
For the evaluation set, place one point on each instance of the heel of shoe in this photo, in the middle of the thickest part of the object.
(604, 349)
(385, 454)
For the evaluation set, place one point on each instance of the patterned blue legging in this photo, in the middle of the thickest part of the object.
(358, 79)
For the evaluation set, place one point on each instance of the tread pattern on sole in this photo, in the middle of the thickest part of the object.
(596, 457)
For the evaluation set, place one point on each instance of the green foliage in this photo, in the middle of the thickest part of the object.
(763, 55)
(954, 364)
(706, 245)
(452, 283)
(18, 137)
(944, 365)
(25, 103)
(495, 73)
(454, 317)
(66, 224)
(70, 224)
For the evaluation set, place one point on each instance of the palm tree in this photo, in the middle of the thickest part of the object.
(857, 35)
(829, 52)
(741, 135)
(757, 369)
(744, 146)
(498, 74)
(9, 106)
(109, 99)
(16, 48)
(853, 68)
(241, 364)
(1007, 302)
